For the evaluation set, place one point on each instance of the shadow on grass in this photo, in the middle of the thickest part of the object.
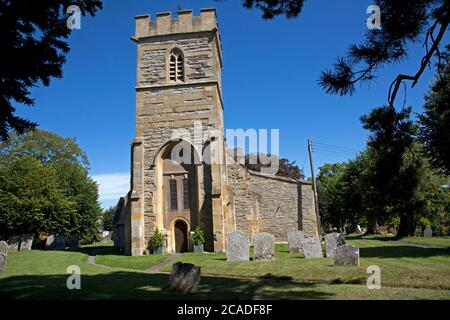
(401, 252)
(138, 286)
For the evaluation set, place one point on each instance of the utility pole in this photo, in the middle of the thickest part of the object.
(313, 177)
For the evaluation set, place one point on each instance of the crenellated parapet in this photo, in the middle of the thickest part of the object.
(185, 22)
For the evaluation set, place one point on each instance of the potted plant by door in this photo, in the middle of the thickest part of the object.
(158, 241)
(198, 238)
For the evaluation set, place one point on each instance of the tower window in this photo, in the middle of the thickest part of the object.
(173, 194)
(176, 66)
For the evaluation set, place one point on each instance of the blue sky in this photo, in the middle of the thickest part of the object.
(269, 81)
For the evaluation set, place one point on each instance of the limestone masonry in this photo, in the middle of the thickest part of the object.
(179, 88)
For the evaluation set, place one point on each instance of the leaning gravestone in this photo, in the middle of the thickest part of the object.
(295, 238)
(50, 243)
(3, 254)
(332, 241)
(184, 278)
(312, 248)
(26, 243)
(74, 243)
(428, 232)
(238, 246)
(14, 243)
(346, 255)
(263, 246)
(60, 243)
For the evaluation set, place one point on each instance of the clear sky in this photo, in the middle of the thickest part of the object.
(269, 81)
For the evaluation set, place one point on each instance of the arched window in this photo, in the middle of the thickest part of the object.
(176, 66)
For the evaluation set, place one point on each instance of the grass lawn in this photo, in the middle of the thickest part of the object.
(406, 273)
(443, 242)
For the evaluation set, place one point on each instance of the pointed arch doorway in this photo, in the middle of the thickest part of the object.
(181, 236)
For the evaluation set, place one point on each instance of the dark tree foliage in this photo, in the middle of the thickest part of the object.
(285, 167)
(434, 131)
(403, 22)
(108, 217)
(272, 8)
(33, 47)
(397, 171)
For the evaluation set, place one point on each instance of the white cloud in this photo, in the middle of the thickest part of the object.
(112, 186)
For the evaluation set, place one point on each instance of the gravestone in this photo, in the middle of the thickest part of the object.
(3, 254)
(26, 243)
(332, 241)
(74, 242)
(295, 238)
(60, 243)
(184, 278)
(428, 232)
(238, 246)
(346, 255)
(263, 246)
(312, 248)
(50, 243)
(14, 243)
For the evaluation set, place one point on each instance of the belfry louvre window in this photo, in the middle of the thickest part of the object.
(176, 66)
(186, 194)
(173, 194)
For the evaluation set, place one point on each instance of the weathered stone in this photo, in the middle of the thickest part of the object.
(184, 278)
(312, 248)
(295, 238)
(428, 232)
(238, 246)
(332, 241)
(74, 242)
(346, 255)
(50, 243)
(263, 246)
(26, 242)
(60, 243)
(3, 255)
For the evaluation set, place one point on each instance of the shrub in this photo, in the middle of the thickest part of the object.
(158, 239)
(198, 236)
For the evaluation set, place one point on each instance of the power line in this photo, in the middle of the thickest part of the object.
(332, 146)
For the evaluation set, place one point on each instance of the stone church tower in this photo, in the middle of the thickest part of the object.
(179, 115)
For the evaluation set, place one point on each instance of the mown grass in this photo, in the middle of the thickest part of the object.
(406, 273)
(443, 242)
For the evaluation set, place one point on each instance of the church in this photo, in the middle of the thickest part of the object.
(181, 179)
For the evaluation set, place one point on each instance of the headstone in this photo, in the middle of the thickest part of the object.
(237, 246)
(74, 242)
(263, 246)
(346, 255)
(50, 243)
(312, 248)
(428, 232)
(3, 254)
(184, 278)
(60, 243)
(14, 243)
(332, 241)
(295, 238)
(359, 230)
(26, 243)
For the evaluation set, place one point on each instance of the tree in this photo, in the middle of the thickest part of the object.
(65, 160)
(403, 22)
(31, 199)
(272, 8)
(434, 131)
(34, 48)
(108, 216)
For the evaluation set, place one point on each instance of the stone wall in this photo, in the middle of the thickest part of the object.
(270, 203)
